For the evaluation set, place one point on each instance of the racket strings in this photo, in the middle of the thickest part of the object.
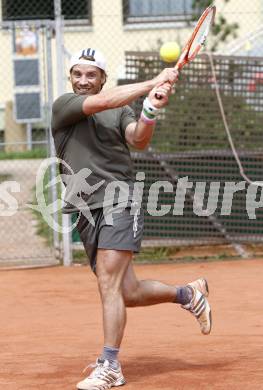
(226, 126)
(201, 35)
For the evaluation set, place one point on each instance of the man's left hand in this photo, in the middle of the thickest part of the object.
(163, 91)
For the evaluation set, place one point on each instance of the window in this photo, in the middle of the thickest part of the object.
(136, 11)
(44, 9)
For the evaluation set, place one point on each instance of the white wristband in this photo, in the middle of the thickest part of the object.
(146, 120)
(149, 110)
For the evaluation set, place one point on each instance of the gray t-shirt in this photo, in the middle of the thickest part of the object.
(94, 147)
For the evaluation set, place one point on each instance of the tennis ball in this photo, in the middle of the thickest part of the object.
(170, 51)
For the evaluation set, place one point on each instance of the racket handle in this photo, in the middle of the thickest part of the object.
(157, 95)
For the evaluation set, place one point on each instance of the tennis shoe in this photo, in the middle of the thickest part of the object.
(201, 285)
(199, 305)
(102, 377)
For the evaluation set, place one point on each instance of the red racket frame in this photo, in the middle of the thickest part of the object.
(184, 57)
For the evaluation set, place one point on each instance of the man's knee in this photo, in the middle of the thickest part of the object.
(108, 284)
(111, 266)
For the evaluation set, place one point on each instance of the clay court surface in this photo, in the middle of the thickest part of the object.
(51, 329)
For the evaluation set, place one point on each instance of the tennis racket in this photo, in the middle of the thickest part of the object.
(197, 39)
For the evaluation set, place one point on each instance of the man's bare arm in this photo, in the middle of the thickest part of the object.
(125, 94)
(139, 134)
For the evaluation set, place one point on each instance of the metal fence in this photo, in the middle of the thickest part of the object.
(190, 142)
(26, 98)
(37, 39)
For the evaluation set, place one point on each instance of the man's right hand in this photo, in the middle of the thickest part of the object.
(169, 75)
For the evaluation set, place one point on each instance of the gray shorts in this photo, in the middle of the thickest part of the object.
(123, 232)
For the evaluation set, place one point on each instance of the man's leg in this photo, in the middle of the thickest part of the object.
(111, 267)
(148, 292)
(192, 297)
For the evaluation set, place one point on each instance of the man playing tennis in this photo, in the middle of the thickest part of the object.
(92, 129)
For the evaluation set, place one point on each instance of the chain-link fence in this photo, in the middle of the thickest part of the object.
(37, 40)
(26, 98)
(191, 142)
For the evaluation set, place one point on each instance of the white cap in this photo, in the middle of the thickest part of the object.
(88, 57)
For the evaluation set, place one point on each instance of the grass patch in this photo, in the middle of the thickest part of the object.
(5, 177)
(147, 255)
(80, 257)
(168, 255)
(154, 254)
(177, 255)
(35, 153)
(43, 229)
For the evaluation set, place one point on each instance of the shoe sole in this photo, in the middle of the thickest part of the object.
(206, 288)
(210, 319)
(119, 382)
(206, 293)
